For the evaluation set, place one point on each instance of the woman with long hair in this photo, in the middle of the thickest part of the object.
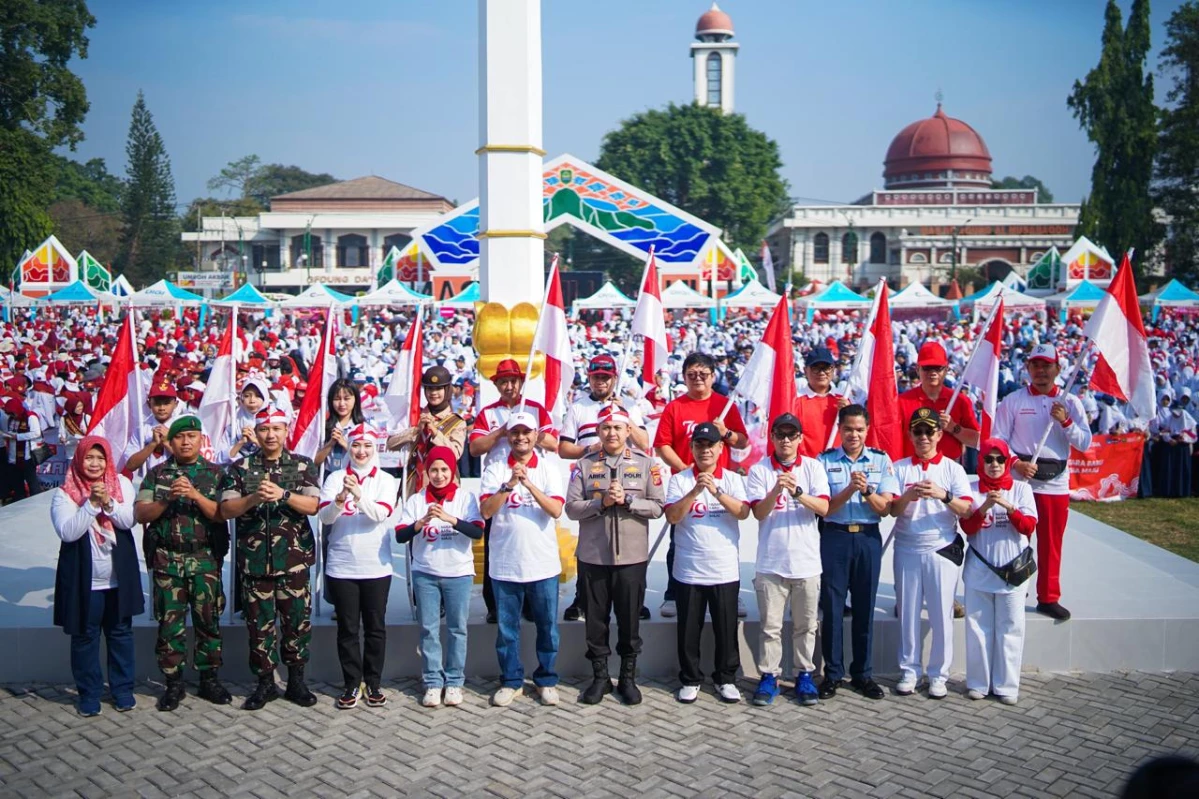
(343, 412)
(97, 587)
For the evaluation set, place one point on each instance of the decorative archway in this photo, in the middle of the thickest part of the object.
(995, 269)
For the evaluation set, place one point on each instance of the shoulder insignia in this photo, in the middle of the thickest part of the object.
(830, 450)
(655, 472)
(876, 450)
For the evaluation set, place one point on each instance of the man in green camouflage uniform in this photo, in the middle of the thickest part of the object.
(271, 494)
(184, 543)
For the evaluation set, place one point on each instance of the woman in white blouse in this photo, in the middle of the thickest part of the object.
(441, 522)
(97, 585)
(354, 506)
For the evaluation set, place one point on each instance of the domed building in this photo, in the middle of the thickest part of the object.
(936, 213)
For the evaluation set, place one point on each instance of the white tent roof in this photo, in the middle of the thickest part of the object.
(607, 297)
(163, 293)
(916, 295)
(318, 295)
(1011, 300)
(752, 295)
(680, 295)
(121, 287)
(394, 292)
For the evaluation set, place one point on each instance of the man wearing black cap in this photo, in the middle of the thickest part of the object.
(816, 405)
(439, 426)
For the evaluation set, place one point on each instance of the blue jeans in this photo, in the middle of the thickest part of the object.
(431, 592)
(542, 596)
(85, 651)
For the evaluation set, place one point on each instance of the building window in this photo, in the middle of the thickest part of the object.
(265, 252)
(352, 251)
(878, 249)
(397, 240)
(849, 248)
(917, 258)
(715, 66)
(820, 249)
(297, 250)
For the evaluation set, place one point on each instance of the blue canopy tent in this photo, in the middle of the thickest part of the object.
(464, 299)
(836, 297)
(78, 293)
(1085, 295)
(246, 296)
(1171, 295)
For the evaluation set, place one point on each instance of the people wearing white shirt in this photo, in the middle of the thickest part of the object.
(998, 529)
(354, 506)
(705, 503)
(788, 494)
(151, 447)
(523, 497)
(928, 552)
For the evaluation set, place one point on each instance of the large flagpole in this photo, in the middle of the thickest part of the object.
(974, 351)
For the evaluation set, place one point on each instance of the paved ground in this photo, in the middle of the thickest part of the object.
(1069, 736)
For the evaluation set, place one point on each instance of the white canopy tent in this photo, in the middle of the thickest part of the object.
(394, 293)
(680, 295)
(318, 295)
(1012, 301)
(916, 295)
(752, 295)
(608, 297)
(163, 294)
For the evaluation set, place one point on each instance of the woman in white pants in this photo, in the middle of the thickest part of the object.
(1004, 519)
(928, 552)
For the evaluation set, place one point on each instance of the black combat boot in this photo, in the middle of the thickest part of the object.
(601, 683)
(265, 692)
(174, 693)
(626, 686)
(297, 690)
(212, 690)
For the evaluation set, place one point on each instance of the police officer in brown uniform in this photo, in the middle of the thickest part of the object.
(613, 494)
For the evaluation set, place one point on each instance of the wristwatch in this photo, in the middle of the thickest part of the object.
(947, 498)
(798, 492)
(286, 496)
(728, 435)
(869, 490)
(718, 492)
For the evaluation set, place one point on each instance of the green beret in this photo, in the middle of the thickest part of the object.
(182, 425)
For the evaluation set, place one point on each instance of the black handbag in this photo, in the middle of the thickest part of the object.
(40, 454)
(955, 552)
(1017, 571)
(1047, 468)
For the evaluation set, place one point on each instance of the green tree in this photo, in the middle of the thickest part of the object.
(80, 226)
(91, 183)
(1044, 195)
(150, 240)
(42, 104)
(1114, 105)
(271, 180)
(236, 176)
(710, 164)
(1178, 143)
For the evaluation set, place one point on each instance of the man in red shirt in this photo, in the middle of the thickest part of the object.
(959, 425)
(816, 405)
(672, 443)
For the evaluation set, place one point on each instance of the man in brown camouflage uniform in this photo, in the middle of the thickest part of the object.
(184, 543)
(271, 494)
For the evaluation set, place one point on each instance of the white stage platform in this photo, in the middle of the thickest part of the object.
(1135, 606)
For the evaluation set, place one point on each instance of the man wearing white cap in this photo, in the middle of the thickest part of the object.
(1021, 420)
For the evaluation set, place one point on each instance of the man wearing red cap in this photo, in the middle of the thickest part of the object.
(959, 425)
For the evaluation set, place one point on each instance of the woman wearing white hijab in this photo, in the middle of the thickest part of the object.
(354, 507)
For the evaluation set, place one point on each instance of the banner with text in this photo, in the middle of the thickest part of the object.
(1110, 470)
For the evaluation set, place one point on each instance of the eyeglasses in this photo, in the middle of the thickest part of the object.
(994, 459)
(923, 432)
(820, 367)
(781, 436)
(932, 368)
(697, 375)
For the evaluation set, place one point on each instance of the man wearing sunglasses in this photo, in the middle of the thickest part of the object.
(817, 405)
(959, 425)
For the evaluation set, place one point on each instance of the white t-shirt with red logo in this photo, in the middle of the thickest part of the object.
(998, 541)
(438, 549)
(359, 534)
(495, 416)
(707, 540)
(788, 539)
(524, 538)
(928, 524)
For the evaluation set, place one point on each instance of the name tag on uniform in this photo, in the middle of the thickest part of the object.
(834, 469)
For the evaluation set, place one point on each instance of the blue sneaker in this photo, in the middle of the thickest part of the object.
(768, 689)
(89, 707)
(125, 703)
(805, 690)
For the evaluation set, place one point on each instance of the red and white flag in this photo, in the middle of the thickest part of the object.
(553, 341)
(768, 379)
(403, 395)
(982, 370)
(218, 406)
(872, 380)
(768, 265)
(120, 405)
(308, 430)
(649, 322)
(1118, 332)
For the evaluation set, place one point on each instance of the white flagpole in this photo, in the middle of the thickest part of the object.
(974, 351)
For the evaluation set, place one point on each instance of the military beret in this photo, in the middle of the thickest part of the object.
(183, 424)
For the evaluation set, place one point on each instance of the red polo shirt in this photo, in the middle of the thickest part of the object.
(963, 414)
(681, 415)
(818, 415)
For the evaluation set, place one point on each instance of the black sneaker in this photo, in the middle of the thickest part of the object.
(349, 698)
(867, 688)
(375, 696)
(574, 613)
(645, 613)
(1053, 610)
(491, 617)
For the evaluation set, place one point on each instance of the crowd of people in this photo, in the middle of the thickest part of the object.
(636, 453)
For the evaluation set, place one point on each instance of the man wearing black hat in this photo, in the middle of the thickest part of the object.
(816, 405)
(439, 426)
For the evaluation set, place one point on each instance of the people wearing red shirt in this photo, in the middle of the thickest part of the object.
(817, 405)
(959, 425)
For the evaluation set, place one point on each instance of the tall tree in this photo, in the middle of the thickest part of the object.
(236, 176)
(1044, 195)
(710, 164)
(91, 183)
(1114, 105)
(1177, 187)
(270, 180)
(150, 240)
(42, 104)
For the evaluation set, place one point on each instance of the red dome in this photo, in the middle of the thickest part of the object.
(714, 21)
(926, 151)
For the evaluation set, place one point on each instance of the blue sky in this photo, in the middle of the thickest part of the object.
(389, 87)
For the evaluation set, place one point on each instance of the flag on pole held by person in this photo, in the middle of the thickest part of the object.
(982, 370)
(872, 381)
(308, 429)
(553, 340)
(649, 322)
(768, 379)
(403, 395)
(1118, 334)
(768, 265)
(218, 406)
(120, 405)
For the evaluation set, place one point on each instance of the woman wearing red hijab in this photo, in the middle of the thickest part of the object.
(97, 587)
(1005, 516)
(24, 433)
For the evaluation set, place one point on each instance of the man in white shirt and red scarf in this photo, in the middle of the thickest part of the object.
(1021, 420)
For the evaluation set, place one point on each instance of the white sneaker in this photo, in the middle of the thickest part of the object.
(688, 694)
(975, 695)
(728, 693)
(432, 697)
(936, 688)
(742, 611)
(504, 696)
(1007, 700)
(906, 685)
(667, 609)
(453, 696)
(548, 694)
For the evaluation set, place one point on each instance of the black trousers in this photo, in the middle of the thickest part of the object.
(672, 585)
(488, 591)
(693, 601)
(605, 588)
(365, 601)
